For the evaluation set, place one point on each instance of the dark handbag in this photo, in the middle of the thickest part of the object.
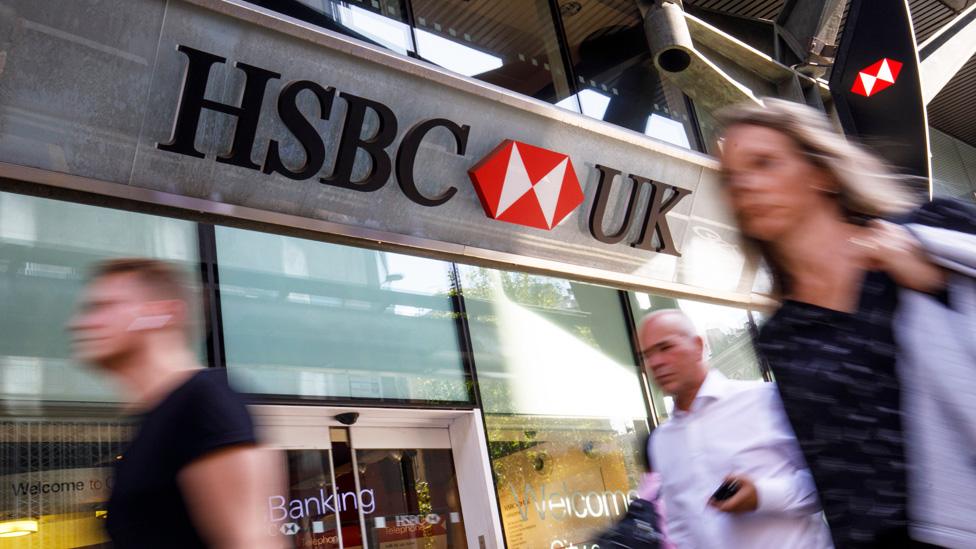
(638, 529)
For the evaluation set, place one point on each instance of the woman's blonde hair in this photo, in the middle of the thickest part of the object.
(866, 187)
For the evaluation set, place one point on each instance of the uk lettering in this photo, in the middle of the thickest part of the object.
(654, 233)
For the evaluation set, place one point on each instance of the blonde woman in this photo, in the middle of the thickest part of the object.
(825, 216)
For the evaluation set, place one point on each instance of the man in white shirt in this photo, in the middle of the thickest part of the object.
(723, 429)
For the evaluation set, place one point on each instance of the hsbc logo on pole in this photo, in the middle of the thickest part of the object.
(527, 185)
(876, 77)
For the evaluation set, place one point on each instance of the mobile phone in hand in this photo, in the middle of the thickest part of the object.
(726, 490)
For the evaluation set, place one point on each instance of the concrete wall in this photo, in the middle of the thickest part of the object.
(953, 166)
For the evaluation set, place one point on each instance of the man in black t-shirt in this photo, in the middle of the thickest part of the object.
(193, 475)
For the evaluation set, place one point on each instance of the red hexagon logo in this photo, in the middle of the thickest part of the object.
(526, 185)
(877, 77)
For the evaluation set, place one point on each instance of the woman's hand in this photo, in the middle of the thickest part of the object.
(892, 248)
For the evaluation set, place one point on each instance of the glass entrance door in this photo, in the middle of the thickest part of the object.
(367, 487)
(416, 496)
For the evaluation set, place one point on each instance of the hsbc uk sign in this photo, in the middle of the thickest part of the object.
(516, 183)
(531, 186)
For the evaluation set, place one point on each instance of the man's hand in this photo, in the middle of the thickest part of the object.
(743, 501)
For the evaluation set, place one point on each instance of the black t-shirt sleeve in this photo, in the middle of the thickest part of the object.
(215, 417)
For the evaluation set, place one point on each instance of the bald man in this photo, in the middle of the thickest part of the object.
(723, 430)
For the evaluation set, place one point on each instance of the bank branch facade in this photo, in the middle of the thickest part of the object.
(389, 215)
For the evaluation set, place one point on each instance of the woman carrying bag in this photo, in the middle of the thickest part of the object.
(829, 221)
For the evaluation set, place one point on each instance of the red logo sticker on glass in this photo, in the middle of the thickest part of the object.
(877, 77)
(527, 185)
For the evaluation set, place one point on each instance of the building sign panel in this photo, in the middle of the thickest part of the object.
(239, 108)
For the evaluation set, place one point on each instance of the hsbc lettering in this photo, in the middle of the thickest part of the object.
(193, 102)
(541, 198)
(417, 520)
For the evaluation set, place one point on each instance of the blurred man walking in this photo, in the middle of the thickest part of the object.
(192, 476)
(729, 434)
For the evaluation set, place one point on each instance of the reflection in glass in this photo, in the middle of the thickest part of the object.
(518, 35)
(396, 35)
(710, 129)
(414, 497)
(727, 333)
(668, 130)
(455, 56)
(563, 404)
(610, 58)
(547, 346)
(516, 44)
(377, 27)
(399, 497)
(46, 250)
(379, 22)
(591, 103)
(306, 515)
(728, 338)
(55, 474)
(560, 481)
(714, 257)
(353, 500)
(510, 43)
(313, 319)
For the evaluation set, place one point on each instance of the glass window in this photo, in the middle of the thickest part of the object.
(399, 498)
(311, 484)
(710, 129)
(521, 45)
(379, 22)
(55, 466)
(313, 319)
(615, 76)
(56, 479)
(727, 332)
(509, 43)
(415, 498)
(46, 249)
(564, 410)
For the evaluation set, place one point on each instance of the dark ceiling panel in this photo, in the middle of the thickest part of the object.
(929, 16)
(954, 109)
(757, 9)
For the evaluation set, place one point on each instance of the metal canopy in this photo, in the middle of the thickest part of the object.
(952, 111)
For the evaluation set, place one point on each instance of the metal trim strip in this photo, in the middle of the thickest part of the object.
(216, 211)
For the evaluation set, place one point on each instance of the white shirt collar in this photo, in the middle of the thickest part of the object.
(714, 387)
